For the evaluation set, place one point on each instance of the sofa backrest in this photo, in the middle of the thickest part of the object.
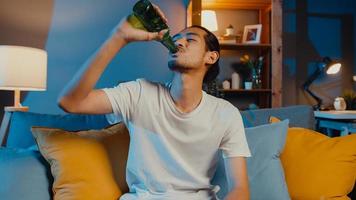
(20, 136)
(299, 116)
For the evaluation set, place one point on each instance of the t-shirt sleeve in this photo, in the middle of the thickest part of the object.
(234, 141)
(124, 99)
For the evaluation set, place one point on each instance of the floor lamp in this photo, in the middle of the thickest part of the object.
(326, 65)
(21, 69)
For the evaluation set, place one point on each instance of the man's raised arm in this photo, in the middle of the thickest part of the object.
(79, 96)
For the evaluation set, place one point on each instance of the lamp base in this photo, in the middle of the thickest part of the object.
(16, 109)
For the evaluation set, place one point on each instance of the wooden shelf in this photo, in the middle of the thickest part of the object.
(270, 16)
(237, 46)
(244, 91)
(236, 4)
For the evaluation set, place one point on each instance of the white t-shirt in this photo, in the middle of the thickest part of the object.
(173, 155)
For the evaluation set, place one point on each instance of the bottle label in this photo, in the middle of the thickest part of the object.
(135, 22)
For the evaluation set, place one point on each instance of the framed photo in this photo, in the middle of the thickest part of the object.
(252, 34)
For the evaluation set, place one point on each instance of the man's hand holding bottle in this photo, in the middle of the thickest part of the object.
(130, 29)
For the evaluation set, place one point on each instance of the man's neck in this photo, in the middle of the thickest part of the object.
(186, 91)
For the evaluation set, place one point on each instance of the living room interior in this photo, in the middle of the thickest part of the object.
(296, 41)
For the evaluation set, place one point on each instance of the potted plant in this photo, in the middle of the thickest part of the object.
(255, 68)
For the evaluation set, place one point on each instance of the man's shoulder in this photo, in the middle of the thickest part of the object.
(149, 82)
(149, 85)
(222, 107)
(220, 102)
(142, 83)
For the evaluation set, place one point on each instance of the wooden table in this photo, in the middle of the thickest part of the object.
(343, 121)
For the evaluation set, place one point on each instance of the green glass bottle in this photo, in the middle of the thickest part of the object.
(145, 17)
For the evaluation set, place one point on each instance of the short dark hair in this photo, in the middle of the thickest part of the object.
(211, 44)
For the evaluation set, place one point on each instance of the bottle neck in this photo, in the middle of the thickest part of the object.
(167, 41)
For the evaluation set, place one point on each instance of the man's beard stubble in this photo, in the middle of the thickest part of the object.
(175, 66)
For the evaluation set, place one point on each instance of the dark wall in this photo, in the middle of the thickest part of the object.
(71, 31)
(313, 29)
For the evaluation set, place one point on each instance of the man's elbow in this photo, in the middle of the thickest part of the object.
(66, 105)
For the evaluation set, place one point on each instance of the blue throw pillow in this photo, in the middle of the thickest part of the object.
(20, 135)
(265, 171)
(24, 174)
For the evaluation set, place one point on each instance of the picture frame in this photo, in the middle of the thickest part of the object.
(252, 34)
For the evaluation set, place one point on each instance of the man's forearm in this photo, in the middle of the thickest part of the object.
(238, 193)
(86, 78)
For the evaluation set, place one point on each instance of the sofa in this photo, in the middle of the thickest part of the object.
(24, 172)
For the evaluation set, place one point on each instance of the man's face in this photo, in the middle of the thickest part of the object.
(191, 51)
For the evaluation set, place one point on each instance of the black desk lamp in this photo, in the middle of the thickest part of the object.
(326, 65)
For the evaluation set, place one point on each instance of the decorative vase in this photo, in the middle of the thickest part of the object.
(248, 85)
(230, 30)
(339, 104)
(256, 79)
(226, 85)
(235, 80)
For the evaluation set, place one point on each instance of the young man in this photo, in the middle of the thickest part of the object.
(176, 129)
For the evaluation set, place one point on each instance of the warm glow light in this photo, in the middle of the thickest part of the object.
(333, 69)
(208, 20)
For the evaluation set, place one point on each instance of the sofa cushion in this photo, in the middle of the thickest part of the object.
(265, 172)
(24, 174)
(20, 136)
(85, 164)
(319, 167)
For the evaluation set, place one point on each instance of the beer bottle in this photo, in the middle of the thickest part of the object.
(145, 17)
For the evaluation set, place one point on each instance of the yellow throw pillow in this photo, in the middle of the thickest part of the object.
(88, 165)
(273, 119)
(317, 166)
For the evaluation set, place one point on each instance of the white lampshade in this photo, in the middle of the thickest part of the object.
(208, 20)
(22, 68)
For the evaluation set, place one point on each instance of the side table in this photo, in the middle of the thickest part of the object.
(343, 121)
